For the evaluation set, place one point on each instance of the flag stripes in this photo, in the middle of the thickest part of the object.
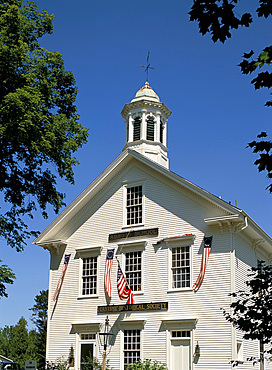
(124, 290)
(108, 267)
(65, 264)
(205, 256)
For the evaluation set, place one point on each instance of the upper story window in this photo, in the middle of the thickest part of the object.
(180, 267)
(134, 205)
(132, 346)
(137, 128)
(150, 128)
(89, 275)
(133, 270)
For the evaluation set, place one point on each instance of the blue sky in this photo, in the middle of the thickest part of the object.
(216, 111)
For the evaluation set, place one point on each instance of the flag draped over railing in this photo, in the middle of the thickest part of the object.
(123, 288)
(108, 267)
(205, 256)
(65, 264)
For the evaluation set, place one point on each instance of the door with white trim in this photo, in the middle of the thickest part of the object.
(180, 350)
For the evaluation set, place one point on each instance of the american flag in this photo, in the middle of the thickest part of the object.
(109, 260)
(205, 256)
(124, 290)
(65, 264)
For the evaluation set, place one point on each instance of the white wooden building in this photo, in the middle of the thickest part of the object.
(156, 222)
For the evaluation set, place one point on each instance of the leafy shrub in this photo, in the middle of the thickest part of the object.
(147, 365)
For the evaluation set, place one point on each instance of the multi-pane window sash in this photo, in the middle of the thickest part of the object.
(181, 334)
(180, 267)
(89, 276)
(133, 270)
(132, 345)
(134, 205)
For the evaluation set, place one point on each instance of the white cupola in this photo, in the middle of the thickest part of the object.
(146, 125)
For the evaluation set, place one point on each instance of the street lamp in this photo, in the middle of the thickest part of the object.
(104, 339)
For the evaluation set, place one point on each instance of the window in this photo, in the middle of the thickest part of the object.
(89, 275)
(150, 129)
(133, 270)
(132, 345)
(134, 205)
(181, 333)
(137, 128)
(180, 267)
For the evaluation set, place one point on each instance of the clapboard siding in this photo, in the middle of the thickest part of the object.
(175, 211)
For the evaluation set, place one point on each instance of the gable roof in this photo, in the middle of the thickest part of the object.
(236, 217)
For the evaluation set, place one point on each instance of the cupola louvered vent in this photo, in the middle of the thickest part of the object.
(150, 129)
(161, 131)
(137, 128)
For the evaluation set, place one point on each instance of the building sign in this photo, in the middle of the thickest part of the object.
(160, 306)
(133, 234)
(30, 365)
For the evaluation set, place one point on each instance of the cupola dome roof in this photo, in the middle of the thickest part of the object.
(146, 93)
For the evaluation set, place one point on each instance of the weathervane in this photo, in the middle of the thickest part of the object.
(147, 67)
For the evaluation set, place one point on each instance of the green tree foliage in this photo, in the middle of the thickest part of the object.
(18, 342)
(6, 277)
(219, 17)
(147, 365)
(39, 318)
(39, 128)
(251, 312)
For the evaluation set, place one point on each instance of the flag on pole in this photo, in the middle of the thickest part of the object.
(205, 256)
(109, 261)
(65, 264)
(124, 290)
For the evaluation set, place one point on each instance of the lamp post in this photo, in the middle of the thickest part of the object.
(104, 338)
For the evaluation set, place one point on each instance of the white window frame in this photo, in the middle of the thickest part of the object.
(86, 252)
(175, 242)
(130, 325)
(130, 184)
(134, 246)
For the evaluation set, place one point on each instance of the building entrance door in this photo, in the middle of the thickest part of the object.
(86, 355)
(180, 354)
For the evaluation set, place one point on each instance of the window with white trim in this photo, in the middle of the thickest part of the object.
(180, 334)
(89, 275)
(180, 267)
(134, 205)
(133, 270)
(132, 346)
